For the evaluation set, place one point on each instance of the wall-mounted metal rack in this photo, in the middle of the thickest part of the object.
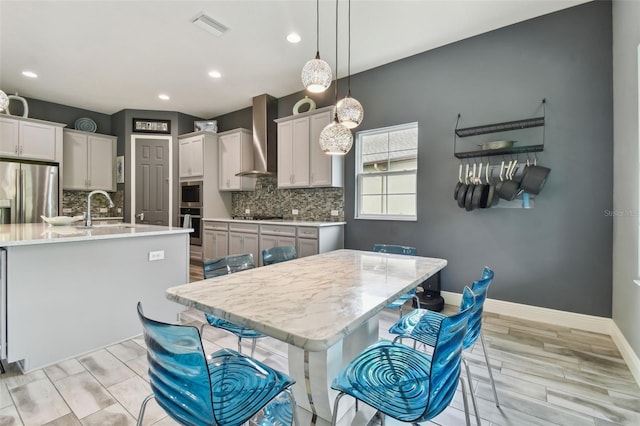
(496, 128)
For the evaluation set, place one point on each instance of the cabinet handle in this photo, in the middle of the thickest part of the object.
(16, 150)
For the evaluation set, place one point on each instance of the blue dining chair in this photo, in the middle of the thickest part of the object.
(406, 384)
(423, 326)
(278, 254)
(225, 389)
(412, 294)
(223, 266)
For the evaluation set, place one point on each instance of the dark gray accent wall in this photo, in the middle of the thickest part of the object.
(234, 120)
(557, 255)
(58, 113)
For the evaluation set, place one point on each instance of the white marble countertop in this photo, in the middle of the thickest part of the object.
(42, 233)
(275, 222)
(311, 302)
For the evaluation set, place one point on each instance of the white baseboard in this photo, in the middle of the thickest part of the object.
(566, 319)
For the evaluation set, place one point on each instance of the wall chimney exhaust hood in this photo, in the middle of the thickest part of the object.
(265, 143)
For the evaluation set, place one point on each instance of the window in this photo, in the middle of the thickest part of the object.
(386, 167)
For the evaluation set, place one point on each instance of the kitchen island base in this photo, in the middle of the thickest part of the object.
(73, 297)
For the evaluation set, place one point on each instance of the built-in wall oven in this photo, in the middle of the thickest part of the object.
(191, 209)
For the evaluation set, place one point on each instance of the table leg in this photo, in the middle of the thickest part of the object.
(314, 372)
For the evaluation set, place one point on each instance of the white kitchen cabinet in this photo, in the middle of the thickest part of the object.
(89, 161)
(235, 156)
(319, 239)
(215, 240)
(190, 156)
(324, 170)
(301, 162)
(30, 139)
(276, 236)
(243, 238)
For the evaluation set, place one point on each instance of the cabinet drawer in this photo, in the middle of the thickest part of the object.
(278, 230)
(215, 226)
(243, 227)
(307, 232)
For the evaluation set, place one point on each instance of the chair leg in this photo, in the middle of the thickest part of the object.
(240, 344)
(382, 418)
(253, 346)
(473, 395)
(334, 417)
(294, 411)
(142, 408)
(486, 357)
(465, 402)
(202, 330)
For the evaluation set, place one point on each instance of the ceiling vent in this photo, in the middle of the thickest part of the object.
(210, 25)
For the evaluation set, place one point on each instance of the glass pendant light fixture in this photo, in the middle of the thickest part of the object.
(316, 73)
(335, 138)
(349, 110)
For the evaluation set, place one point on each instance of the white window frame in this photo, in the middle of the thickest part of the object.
(358, 173)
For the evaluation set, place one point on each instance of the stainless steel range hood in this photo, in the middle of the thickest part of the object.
(265, 144)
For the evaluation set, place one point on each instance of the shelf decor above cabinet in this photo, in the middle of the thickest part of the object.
(486, 150)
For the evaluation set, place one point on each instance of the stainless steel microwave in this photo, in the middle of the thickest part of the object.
(191, 194)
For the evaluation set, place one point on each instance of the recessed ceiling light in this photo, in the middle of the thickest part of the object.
(293, 38)
(164, 97)
(30, 74)
(215, 74)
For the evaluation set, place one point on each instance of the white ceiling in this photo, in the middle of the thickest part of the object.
(110, 55)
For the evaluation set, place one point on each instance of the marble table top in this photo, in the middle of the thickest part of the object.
(311, 302)
(42, 233)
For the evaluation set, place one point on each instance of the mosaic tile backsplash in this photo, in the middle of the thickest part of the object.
(77, 202)
(313, 204)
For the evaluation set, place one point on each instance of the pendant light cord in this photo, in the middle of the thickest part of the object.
(336, 88)
(349, 52)
(318, 27)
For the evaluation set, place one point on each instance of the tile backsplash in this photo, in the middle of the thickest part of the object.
(313, 204)
(77, 202)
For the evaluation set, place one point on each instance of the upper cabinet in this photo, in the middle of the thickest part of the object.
(191, 158)
(89, 161)
(301, 162)
(30, 139)
(235, 155)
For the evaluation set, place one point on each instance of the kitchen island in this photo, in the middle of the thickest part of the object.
(67, 290)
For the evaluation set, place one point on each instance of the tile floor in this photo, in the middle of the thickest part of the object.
(545, 375)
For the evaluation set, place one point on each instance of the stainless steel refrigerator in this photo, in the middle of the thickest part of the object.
(28, 190)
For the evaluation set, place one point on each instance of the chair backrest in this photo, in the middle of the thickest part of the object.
(278, 254)
(227, 265)
(393, 249)
(479, 289)
(447, 356)
(178, 371)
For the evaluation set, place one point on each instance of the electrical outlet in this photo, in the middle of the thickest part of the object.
(247, 211)
(103, 210)
(119, 210)
(156, 255)
(335, 213)
(67, 210)
(294, 212)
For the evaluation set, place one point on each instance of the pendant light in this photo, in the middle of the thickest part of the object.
(349, 110)
(316, 73)
(335, 138)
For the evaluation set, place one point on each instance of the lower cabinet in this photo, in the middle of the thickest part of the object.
(220, 238)
(243, 238)
(276, 236)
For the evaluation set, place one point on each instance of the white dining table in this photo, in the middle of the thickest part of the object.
(324, 306)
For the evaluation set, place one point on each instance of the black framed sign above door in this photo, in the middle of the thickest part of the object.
(146, 125)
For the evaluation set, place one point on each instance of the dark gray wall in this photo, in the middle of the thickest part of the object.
(58, 113)
(557, 255)
(235, 120)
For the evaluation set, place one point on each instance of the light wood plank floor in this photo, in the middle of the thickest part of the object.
(545, 375)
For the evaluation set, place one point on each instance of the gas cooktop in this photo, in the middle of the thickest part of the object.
(258, 217)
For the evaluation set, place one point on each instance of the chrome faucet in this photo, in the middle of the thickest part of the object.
(87, 216)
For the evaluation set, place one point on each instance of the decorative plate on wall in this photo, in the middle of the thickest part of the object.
(85, 124)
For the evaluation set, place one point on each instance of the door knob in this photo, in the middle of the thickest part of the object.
(140, 216)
